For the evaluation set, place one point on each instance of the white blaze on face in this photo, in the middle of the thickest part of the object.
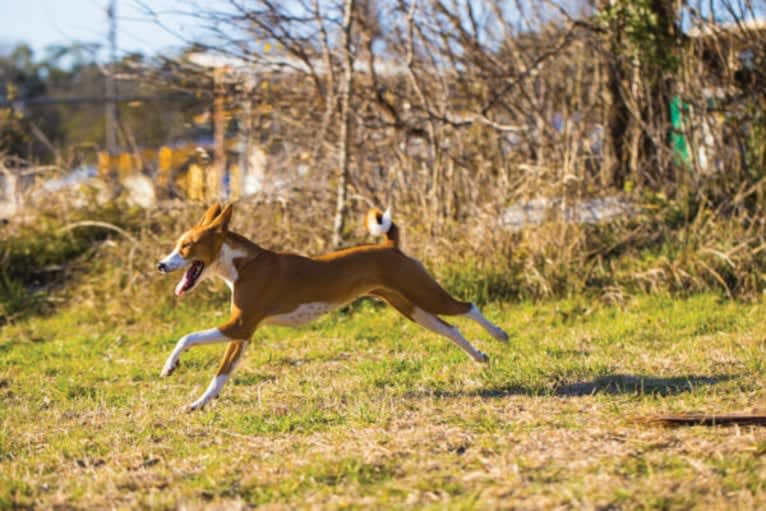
(174, 261)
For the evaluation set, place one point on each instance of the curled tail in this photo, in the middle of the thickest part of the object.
(380, 223)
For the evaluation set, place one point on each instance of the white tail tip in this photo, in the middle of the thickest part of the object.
(379, 229)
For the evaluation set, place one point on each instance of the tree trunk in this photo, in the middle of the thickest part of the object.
(345, 126)
(615, 160)
(636, 122)
(661, 89)
(618, 114)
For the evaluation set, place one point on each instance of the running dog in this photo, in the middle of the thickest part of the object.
(273, 288)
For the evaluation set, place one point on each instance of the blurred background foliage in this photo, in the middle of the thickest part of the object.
(529, 150)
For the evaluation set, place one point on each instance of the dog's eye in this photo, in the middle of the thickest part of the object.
(186, 245)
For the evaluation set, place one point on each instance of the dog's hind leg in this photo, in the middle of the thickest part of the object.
(431, 322)
(494, 330)
(435, 324)
(418, 287)
(234, 352)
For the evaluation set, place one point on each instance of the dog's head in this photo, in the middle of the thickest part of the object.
(198, 248)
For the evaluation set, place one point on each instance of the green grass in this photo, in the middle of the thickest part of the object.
(363, 409)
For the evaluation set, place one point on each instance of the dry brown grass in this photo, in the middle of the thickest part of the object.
(364, 409)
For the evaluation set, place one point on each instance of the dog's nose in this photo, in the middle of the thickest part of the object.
(162, 267)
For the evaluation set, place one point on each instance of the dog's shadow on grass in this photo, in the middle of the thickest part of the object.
(613, 384)
(639, 384)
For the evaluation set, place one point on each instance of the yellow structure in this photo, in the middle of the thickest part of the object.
(235, 182)
(104, 165)
(125, 165)
(195, 182)
(212, 186)
(200, 182)
(164, 165)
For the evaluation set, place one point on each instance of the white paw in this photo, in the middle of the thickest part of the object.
(200, 403)
(481, 357)
(170, 366)
(499, 334)
(197, 405)
(211, 393)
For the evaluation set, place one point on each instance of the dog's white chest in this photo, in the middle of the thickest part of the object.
(301, 315)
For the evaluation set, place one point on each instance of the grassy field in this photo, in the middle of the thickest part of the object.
(363, 409)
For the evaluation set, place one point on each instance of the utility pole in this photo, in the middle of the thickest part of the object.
(111, 86)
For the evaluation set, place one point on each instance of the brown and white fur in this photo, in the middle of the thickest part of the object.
(272, 288)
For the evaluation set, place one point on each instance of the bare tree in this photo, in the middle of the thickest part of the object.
(451, 108)
(345, 123)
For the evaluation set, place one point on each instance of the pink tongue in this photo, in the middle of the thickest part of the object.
(180, 287)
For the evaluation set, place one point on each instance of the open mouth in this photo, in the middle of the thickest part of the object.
(190, 278)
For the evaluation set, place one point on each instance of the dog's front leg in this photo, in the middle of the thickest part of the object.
(187, 341)
(231, 358)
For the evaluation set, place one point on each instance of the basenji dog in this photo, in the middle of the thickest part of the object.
(273, 288)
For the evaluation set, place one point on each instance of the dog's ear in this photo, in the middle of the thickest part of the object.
(212, 212)
(222, 221)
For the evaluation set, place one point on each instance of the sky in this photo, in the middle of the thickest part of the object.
(41, 23)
